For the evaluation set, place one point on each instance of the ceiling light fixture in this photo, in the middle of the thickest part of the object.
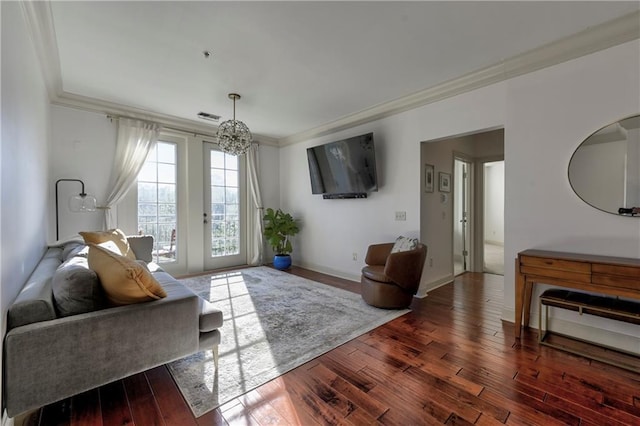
(234, 136)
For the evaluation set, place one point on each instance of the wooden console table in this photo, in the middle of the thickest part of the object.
(616, 276)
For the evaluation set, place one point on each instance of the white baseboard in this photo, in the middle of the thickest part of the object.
(494, 243)
(328, 271)
(432, 285)
(589, 333)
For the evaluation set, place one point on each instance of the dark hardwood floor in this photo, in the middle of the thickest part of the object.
(450, 361)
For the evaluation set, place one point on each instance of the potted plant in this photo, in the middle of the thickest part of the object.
(278, 227)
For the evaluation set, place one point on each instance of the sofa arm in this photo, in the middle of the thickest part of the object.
(377, 253)
(52, 360)
(405, 268)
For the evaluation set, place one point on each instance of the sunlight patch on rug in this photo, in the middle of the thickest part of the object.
(273, 322)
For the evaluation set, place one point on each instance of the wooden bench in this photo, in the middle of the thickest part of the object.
(584, 303)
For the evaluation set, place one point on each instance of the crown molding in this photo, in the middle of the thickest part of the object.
(593, 39)
(599, 37)
(184, 125)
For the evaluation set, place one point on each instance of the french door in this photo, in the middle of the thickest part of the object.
(224, 209)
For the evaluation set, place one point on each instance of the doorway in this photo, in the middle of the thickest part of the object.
(493, 241)
(462, 197)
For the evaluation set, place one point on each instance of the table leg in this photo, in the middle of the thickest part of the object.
(520, 284)
(528, 290)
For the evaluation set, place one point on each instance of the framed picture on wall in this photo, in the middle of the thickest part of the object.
(428, 178)
(444, 182)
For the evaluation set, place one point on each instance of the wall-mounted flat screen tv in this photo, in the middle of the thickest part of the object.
(344, 168)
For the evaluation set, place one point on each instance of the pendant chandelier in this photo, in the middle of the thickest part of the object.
(234, 136)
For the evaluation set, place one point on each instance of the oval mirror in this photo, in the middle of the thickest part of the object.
(605, 169)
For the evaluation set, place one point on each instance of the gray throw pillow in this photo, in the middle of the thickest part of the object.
(142, 246)
(76, 288)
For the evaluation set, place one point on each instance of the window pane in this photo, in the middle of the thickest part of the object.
(217, 194)
(148, 173)
(147, 192)
(217, 211)
(231, 178)
(217, 177)
(166, 152)
(166, 173)
(232, 195)
(217, 159)
(157, 200)
(167, 193)
(231, 162)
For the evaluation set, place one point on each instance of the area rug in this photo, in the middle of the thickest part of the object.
(273, 322)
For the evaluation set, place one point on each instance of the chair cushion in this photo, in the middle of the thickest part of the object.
(124, 280)
(404, 244)
(376, 273)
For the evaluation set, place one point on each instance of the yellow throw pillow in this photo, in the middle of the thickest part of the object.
(115, 235)
(124, 280)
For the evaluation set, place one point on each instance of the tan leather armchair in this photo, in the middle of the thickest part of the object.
(391, 279)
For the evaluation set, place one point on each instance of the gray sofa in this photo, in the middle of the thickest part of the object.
(51, 354)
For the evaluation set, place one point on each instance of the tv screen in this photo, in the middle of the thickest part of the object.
(345, 168)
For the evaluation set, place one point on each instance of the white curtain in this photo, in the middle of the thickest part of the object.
(255, 249)
(135, 140)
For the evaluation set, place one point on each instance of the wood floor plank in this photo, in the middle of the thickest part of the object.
(144, 409)
(86, 409)
(283, 401)
(115, 407)
(451, 360)
(173, 408)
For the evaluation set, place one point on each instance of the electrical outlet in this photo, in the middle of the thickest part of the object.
(431, 262)
(355, 256)
(401, 215)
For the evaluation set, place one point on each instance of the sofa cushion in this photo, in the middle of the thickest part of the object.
(123, 280)
(76, 288)
(72, 249)
(115, 235)
(404, 244)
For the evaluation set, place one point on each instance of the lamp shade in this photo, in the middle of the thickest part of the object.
(82, 203)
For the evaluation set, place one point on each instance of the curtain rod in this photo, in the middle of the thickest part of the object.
(176, 129)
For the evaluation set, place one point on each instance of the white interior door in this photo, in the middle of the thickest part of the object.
(224, 209)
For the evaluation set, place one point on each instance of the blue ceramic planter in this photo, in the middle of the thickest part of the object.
(282, 261)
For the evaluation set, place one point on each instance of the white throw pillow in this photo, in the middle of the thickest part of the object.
(404, 244)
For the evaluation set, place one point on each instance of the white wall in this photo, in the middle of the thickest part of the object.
(84, 145)
(24, 178)
(334, 229)
(546, 115)
(553, 111)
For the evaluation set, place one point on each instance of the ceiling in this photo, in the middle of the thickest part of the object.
(297, 65)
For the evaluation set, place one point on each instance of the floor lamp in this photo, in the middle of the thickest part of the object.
(82, 202)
